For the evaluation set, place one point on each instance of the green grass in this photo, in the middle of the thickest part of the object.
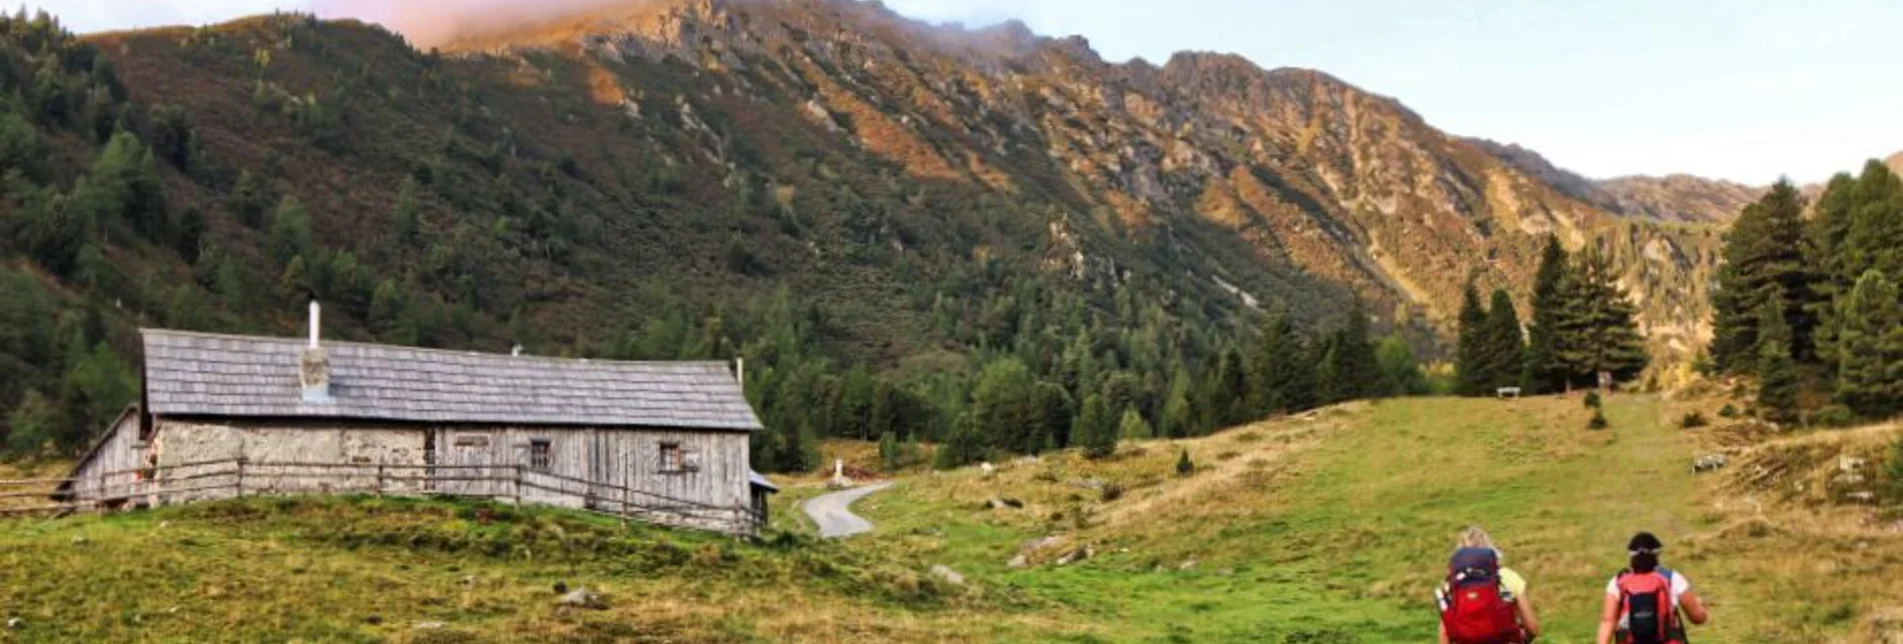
(1325, 529)
(1349, 542)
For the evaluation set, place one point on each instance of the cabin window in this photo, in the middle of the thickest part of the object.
(540, 457)
(672, 459)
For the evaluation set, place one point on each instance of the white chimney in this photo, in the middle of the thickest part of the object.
(316, 321)
(516, 351)
(740, 371)
(313, 368)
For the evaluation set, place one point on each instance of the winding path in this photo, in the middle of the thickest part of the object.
(833, 512)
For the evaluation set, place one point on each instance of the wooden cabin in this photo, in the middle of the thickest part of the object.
(244, 415)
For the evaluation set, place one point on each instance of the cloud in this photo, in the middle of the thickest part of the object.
(86, 16)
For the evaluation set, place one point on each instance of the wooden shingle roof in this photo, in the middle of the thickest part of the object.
(199, 374)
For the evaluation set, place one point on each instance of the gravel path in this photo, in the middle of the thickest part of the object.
(833, 512)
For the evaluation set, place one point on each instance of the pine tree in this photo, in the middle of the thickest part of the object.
(1281, 378)
(1505, 353)
(290, 234)
(1870, 347)
(1603, 336)
(1177, 420)
(1470, 357)
(1224, 394)
(1134, 427)
(405, 218)
(1095, 429)
(1357, 373)
(1777, 373)
(1763, 254)
(1545, 373)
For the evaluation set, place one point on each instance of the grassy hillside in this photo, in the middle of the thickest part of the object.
(1323, 528)
(1335, 527)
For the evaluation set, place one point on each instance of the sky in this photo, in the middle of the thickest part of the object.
(1746, 90)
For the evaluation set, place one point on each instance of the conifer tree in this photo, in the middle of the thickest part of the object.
(1358, 370)
(1095, 430)
(1870, 348)
(1177, 420)
(1281, 378)
(1224, 395)
(1763, 255)
(1470, 354)
(1603, 336)
(1545, 373)
(1777, 374)
(1505, 353)
(1134, 427)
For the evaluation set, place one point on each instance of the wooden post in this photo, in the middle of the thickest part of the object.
(379, 480)
(518, 485)
(240, 478)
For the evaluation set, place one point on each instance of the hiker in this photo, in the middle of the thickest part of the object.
(1646, 603)
(1483, 602)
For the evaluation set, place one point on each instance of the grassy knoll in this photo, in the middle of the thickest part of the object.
(1324, 528)
(1332, 529)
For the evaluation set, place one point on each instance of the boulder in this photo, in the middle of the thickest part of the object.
(582, 598)
(1188, 564)
(950, 576)
(1019, 561)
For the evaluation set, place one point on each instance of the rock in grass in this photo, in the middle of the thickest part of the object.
(581, 598)
(1019, 561)
(429, 626)
(950, 576)
(14, 623)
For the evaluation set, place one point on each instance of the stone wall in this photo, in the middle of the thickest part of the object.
(180, 442)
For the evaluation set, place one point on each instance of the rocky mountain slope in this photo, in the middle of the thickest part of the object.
(1671, 198)
(715, 148)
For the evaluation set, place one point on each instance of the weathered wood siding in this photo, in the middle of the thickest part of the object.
(111, 470)
(716, 472)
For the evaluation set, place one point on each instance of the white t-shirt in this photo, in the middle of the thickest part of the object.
(1680, 586)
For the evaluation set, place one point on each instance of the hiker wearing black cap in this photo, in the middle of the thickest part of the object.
(1648, 603)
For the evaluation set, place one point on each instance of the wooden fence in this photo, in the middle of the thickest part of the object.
(235, 478)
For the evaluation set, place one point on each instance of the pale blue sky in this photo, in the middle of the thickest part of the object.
(1738, 89)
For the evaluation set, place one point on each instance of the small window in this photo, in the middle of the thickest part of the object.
(672, 460)
(540, 458)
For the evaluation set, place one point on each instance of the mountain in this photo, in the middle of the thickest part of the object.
(1671, 198)
(805, 182)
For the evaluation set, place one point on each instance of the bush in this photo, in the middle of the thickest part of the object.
(1184, 467)
(1729, 411)
(1693, 420)
(1592, 400)
(1893, 474)
(1833, 416)
(1598, 420)
(1110, 491)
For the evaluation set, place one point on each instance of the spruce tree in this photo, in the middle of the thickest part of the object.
(1357, 373)
(1763, 255)
(1094, 428)
(1870, 348)
(1505, 353)
(1470, 354)
(1777, 373)
(1224, 393)
(1545, 373)
(1601, 335)
(1178, 421)
(1281, 378)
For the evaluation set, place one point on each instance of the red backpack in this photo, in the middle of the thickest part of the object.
(1474, 609)
(1645, 600)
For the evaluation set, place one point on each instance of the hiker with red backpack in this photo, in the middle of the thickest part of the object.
(1483, 602)
(1647, 603)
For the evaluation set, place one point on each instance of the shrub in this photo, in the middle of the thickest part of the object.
(1110, 491)
(1833, 416)
(1592, 400)
(1729, 411)
(1893, 474)
(1184, 467)
(1693, 420)
(1598, 420)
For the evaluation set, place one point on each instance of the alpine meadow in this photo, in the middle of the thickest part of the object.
(1195, 351)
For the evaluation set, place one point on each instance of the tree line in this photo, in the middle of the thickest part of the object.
(1582, 325)
(1812, 304)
